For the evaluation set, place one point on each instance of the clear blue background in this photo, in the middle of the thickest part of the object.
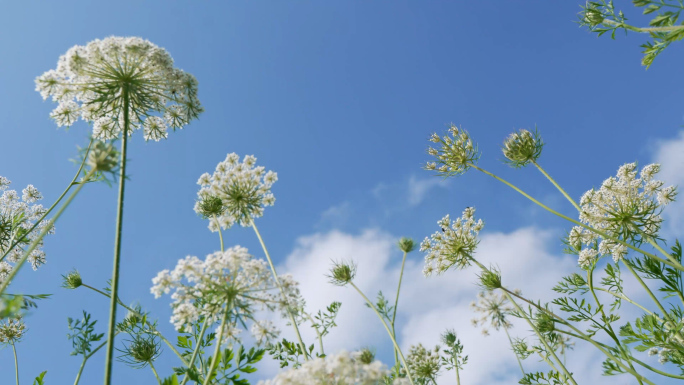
(337, 97)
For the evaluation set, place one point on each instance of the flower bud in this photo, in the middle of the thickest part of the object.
(593, 17)
(72, 280)
(522, 147)
(103, 157)
(490, 280)
(342, 273)
(406, 244)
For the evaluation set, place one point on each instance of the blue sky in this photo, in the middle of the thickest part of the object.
(339, 98)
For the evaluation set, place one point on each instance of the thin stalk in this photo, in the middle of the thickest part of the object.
(394, 341)
(318, 332)
(648, 290)
(282, 291)
(624, 297)
(610, 331)
(217, 350)
(644, 29)
(85, 358)
(546, 359)
(396, 304)
(516, 354)
(662, 251)
(16, 362)
(197, 348)
(220, 233)
(45, 230)
(458, 376)
(557, 186)
(542, 339)
(71, 184)
(117, 241)
(155, 373)
(599, 232)
(156, 332)
(582, 336)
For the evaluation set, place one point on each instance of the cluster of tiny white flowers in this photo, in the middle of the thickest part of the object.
(494, 308)
(456, 155)
(18, 215)
(453, 245)
(424, 364)
(202, 289)
(242, 188)
(338, 369)
(12, 330)
(626, 207)
(92, 81)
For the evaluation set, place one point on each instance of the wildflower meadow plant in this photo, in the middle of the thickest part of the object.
(227, 305)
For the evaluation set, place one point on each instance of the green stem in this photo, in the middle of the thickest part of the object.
(196, 351)
(73, 182)
(45, 230)
(458, 376)
(220, 233)
(599, 232)
(609, 330)
(542, 339)
(657, 246)
(156, 332)
(516, 354)
(548, 362)
(624, 297)
(117, 241)
(582, 336)
(155, 373)
(644, 29)
(557, 186)
(396, 304)
(85, 358)
(217, 350)
(282, 291)
(318, 333)
(394, 341)
(643, 284)
(16, 362)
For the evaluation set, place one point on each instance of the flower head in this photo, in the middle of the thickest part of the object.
(522, 147)
(237, 192)
(12, 330)
(424, 364)
(456, 154)
(453, 245)
(342, 273)
(494, 309)
(232, 281)
(406, 244)
(343, 368)
(17, 216)
(96, 83)
(626, 207)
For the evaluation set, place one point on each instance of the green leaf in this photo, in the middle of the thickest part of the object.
(39, 379)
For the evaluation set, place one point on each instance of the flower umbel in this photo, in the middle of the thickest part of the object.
(456, 154)
(522, 147)
(494, 309)
(95, 82)
(453, 245)
(12, 331)
(237, 192)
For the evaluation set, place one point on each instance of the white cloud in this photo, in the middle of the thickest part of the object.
(429, 306)
(336, 215)
(670, 155)
(419, 188)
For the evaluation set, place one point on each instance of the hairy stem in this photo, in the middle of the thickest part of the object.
(394, 341)
(117, 241)
(196, 351)
(282, 291)
(396, 304)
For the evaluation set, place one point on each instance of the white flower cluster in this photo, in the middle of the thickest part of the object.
(453, 245)
(232, 280)
(237, 192)
(456, 155)
(17, 216)
(626, 207)
(12, 330)
(95, 81)
(339, 369)
(494, 308)
(424, 364)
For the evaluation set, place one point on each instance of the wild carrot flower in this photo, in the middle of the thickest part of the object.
(12, 330)
(494, 309)
(96, 81)
(453, 244)
(237, 192)
(232, 281)
(424, 364)
(456, 154)
(338, 369)
(626, 207)
(17, 216)
(522, 147)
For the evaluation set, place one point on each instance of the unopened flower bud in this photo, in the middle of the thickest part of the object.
(522, 147)
(406, 244)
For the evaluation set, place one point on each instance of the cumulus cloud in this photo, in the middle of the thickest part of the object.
(670, 155)
(419, 188)
(427, 307)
